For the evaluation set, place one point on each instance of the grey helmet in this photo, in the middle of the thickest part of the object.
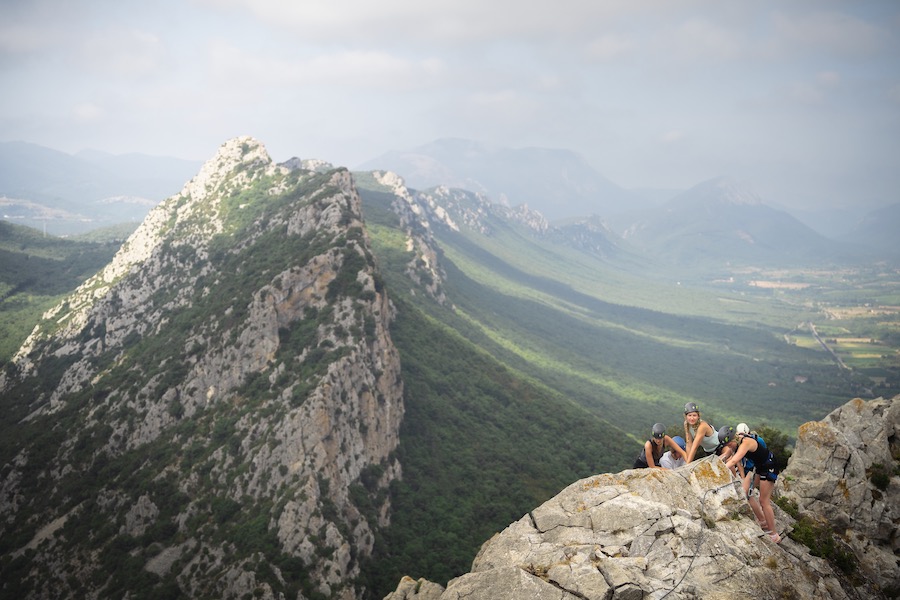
(659, 430)
(691, 407)
(726, 434)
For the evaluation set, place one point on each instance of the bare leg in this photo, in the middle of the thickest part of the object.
(765, 495)
(753, 502)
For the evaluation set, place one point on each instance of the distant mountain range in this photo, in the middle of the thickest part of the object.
(718, 220)
(879, 230)
(714, 222)
(724, 221)
(556, 183)
(66, 194)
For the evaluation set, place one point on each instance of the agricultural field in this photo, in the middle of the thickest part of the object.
(856, 318)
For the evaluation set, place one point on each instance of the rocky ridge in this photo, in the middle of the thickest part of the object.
(215, 412)
(689, 533)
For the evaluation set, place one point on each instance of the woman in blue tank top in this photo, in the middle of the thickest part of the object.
(753, 448)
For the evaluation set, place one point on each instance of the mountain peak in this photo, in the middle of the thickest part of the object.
(243, 328)
(720, 191)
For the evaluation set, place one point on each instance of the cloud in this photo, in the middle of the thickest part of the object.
(700, 39)
(805, 93)
(673, 136)
(343, 69)
(610, 47)
(829, 79)
(87, 112)
(894, 93)
(19, 39)
(123, 53)
(439, 23)
(830, 32)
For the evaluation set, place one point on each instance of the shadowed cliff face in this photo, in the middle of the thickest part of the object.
(689, 532)
(215, 411)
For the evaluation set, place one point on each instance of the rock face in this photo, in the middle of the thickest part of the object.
(843, 473)
(215, 412)
(689, 533)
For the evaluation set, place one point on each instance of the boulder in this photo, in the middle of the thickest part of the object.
(843, 472)
(411, 589)
(645, 533)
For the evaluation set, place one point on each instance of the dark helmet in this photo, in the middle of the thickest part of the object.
(659, 430)
(726, 434)
(691, 407)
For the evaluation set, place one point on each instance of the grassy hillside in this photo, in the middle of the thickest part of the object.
(637, 365)
(37, 270)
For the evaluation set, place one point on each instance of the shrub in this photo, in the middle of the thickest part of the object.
(879, 476)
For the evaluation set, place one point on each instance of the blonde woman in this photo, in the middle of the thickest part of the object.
(698, 433)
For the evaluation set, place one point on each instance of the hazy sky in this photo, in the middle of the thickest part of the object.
(801, 99)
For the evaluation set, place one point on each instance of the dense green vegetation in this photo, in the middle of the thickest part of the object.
(36, 271)
(191, 470)
(480, 447)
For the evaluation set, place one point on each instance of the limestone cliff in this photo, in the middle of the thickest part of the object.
(689, 533)
(215, 412)
(843, 475)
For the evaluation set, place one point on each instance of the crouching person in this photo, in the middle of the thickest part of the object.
(653, 449)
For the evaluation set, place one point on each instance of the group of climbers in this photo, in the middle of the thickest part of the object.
(744, 452)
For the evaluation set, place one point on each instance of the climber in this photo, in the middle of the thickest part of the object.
(670, 462)
(653, 449)
(698, 432)
(745, 471)
(760, 467)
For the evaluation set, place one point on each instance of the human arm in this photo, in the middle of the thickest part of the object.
(747, 445)
(674, 447)
(692, 450)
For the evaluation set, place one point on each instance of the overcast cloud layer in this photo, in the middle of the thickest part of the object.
(800, 99)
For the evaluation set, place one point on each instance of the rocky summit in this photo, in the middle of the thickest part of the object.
(214, 414)
(689, 533)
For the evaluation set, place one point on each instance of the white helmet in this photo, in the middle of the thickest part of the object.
(742, 428)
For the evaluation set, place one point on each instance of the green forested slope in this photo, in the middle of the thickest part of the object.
(35, 271)
(480, 446)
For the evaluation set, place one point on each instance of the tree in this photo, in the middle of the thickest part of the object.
(777, 442)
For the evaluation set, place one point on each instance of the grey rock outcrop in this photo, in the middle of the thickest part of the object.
(684, 533)
(843, 473)
(412, 589)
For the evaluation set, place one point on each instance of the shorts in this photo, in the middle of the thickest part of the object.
(767, 474)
